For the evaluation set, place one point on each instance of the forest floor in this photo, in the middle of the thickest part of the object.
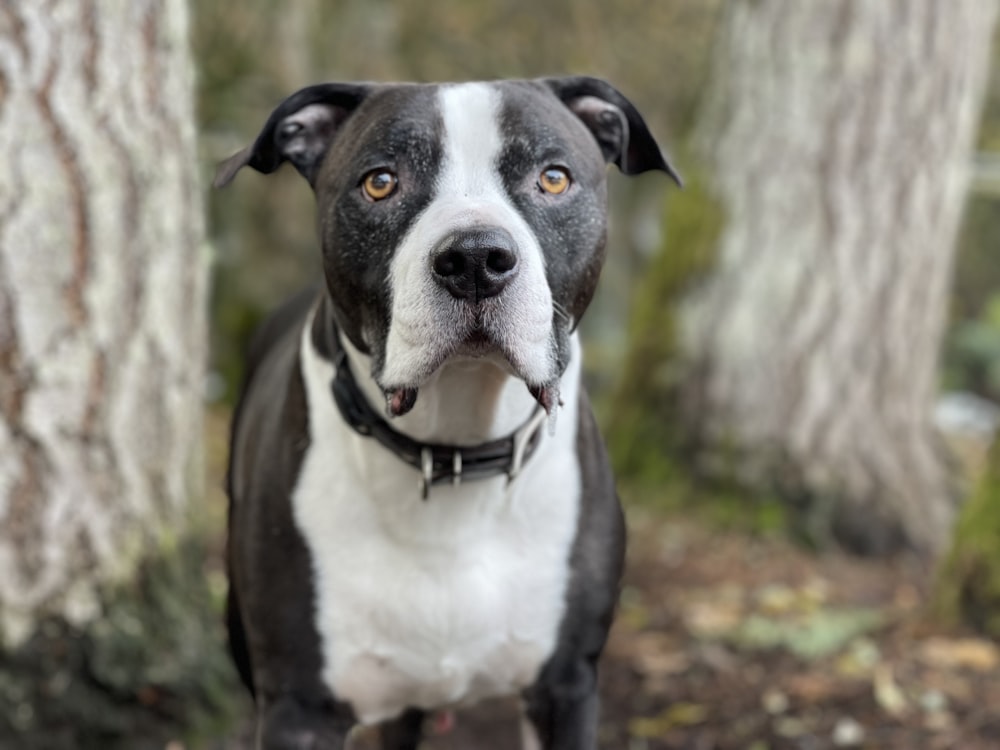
(726, 641)
(730, 640)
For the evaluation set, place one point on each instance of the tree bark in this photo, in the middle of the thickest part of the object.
(840, 135)
(102, 298)
(108, 633)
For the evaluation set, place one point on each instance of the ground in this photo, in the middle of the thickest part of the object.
(730, 641)
(726, 640)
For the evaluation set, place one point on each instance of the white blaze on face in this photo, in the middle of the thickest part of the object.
(427, 324)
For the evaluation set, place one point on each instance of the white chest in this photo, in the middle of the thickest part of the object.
(439, 602)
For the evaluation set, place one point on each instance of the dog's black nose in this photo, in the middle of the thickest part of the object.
(476, 263)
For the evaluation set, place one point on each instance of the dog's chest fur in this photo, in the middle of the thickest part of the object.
(438, 602)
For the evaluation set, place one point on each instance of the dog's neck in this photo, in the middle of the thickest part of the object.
(465, 402)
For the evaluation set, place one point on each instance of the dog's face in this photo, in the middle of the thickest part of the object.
(459, 220)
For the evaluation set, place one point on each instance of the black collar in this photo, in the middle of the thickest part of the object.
(437, 464)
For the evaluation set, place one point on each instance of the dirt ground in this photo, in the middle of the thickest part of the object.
(725, 641)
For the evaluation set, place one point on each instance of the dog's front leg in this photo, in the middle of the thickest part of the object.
(562, 706)
(403, 733)
(288, 724)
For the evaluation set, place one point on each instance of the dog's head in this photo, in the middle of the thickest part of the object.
(458, 220)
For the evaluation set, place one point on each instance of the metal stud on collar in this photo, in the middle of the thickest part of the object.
(426, 471)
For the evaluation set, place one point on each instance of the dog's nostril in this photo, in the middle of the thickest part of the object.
(501, 260)
(450, 263)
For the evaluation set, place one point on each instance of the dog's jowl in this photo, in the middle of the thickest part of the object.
(422, 515)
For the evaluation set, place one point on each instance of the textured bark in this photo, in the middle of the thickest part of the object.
(102, 289)
(840, 135)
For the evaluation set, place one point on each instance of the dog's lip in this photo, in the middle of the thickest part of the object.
(400, 400)
(477, 344)
(481, 334)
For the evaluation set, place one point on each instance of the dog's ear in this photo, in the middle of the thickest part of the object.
(300, 130)
(617, 125)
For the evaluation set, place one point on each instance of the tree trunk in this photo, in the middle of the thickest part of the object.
(967, 589)
(840, 135)
(102, 292)
(103, 273)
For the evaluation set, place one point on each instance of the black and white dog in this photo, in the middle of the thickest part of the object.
(410, 529)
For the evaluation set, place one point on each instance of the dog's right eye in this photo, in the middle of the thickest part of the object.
(379, 184)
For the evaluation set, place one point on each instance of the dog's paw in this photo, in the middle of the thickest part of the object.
(288, 726)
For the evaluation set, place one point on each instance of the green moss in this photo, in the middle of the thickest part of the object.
(151, 669)
(645, 423)
(967, 590)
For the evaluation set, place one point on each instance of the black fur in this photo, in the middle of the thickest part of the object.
(335, 134)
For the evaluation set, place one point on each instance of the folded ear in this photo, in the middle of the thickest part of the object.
(617, 125)
(300, 130)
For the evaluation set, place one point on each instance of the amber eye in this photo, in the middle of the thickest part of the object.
(379, 184)
(554, 180)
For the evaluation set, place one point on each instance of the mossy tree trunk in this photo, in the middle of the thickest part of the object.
(968, 586)
(839, 136)
(103, 276)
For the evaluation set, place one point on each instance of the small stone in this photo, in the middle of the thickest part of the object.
(774, 701)
(848, 733)
(933, 700)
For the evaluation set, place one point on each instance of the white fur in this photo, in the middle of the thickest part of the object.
(469, 192)
(466, 401)
(439, 602)
(529, 737)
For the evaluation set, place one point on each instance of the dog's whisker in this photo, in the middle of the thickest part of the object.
(562, 315)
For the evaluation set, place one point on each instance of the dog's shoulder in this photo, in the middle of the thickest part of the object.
(282, 322)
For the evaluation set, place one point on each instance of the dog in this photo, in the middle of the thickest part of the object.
(411, 528)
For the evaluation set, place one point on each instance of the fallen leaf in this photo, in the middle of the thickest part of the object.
(820, 634)
(791, 727)
(939, 721)
(659, 663)
(859, 659)
(674, 716)
(811, 688)
(961, 653)
(888, 694)
(633, 611)
(714, 614)
(777, 598)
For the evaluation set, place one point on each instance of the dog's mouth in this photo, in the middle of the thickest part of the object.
(399, 401)
(477, 343)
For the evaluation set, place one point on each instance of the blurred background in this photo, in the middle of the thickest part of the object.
(795, 361)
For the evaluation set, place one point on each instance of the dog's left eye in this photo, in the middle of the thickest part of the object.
(554, 180)
(379, 184)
